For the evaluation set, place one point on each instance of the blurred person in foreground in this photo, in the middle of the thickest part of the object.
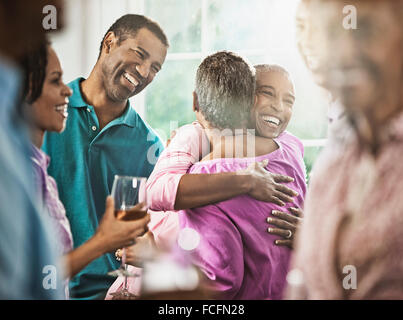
(355, 197)
(26, 253)
(310, 46)
(47, 98)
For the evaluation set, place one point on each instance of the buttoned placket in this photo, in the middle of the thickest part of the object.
(94, 131)
(92, 122)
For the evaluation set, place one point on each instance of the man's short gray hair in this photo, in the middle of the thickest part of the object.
(225, 88)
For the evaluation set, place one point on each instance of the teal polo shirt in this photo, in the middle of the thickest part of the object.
(84, 161)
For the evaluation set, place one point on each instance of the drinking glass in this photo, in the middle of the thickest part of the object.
(127, 192)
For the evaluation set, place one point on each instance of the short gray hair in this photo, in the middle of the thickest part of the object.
(225, 88)
(263, 68)
(271, 68)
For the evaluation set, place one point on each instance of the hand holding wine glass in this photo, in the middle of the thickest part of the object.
(136, 254)
(118, 232)
(129, 194)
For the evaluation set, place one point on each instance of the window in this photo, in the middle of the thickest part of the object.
(263, 31)
(260, 30)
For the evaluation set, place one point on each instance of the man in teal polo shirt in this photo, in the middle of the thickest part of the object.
(105, 136)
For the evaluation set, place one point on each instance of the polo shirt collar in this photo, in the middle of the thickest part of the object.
(129, 116)
(76, 100)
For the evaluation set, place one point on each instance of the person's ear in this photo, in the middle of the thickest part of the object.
(109, 41)
(196, 107)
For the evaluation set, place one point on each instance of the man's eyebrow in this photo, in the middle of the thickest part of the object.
(144, 51)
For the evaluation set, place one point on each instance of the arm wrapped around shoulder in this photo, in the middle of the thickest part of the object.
(187, 147)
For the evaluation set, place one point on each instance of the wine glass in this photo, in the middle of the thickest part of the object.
(127, 192)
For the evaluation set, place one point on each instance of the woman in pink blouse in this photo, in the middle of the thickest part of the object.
(47, 99)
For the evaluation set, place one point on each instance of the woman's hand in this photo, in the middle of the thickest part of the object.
(114, 233)
(267, 186)
(286, 225)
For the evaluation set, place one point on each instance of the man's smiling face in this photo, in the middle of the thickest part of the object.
(130, 66)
